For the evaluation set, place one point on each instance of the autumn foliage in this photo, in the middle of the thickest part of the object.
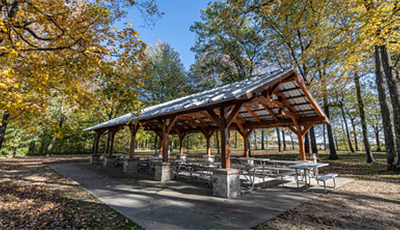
(51, 49)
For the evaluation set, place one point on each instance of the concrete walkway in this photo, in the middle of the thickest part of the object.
(180, 205)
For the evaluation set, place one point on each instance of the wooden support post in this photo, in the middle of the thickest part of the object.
(246, 147)
(134, 129)
(245, 133)
(161, 144)
(300, 134)
(113, 131)
(96, 142)
(208, 134)
(181, 144)
(165, 142)
(302, 147)
(181, 136)
(208, 146)
(166, 125)
(224, 121)
(224, 128)
(110, 151)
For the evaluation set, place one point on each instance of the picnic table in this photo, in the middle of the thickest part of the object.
(249, 173)
(307, 167)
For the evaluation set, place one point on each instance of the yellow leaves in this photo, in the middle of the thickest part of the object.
(31, 79)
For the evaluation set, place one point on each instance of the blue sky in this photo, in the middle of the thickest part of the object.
(173, 27)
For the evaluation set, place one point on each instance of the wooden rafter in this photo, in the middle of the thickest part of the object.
(207, 114)
(254, 115)
(290, 90)
(198, 117)
(300, 104)
(269, 111)
(309, 97)
(296, 97)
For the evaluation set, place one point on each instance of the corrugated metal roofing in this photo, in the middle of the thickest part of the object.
(219, 94)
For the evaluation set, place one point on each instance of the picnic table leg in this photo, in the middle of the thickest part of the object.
(297, 178)
(254, 178)
(305, 178)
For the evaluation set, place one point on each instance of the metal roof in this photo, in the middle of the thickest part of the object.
(285, 90)
(201, 99)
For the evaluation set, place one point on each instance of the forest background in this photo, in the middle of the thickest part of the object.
(65, 67)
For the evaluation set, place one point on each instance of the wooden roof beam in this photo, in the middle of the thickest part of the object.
(289, 90)
(207, 114)
(269, 111)
(310, 98)
(271, 102)
(254, 115)
(296, 97)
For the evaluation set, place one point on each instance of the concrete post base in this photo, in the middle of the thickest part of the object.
(94, 159)
(226, 183)
(164, 171)
(131, 165)
(109, 161)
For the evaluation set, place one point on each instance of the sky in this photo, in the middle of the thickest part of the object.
(173, 27)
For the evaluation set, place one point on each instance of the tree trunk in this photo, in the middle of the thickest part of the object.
(262, 140)
(353, 124)
(53, 140)
(279, 140)
(347, 128)
(307, 143)
(332, 151)
(367, 147)
(291, 140)
(155, 144)
(188, 143)
(249, 146)
(50, 147)
(387, 124)
(108, 141)
(171, 148)
(32, 147)
(236, 144)
(218, 149)
(378, 142)
(283, 140)
(314, 147)
(266, 141)
(394, 97)
(3, 127)
(336, 143)
(324, 134)
(255, 140)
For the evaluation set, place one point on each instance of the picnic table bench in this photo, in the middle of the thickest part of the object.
(327, 177)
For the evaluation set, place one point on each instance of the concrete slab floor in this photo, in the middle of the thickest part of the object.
(179, 205)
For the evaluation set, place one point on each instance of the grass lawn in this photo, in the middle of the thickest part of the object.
(33, 196)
